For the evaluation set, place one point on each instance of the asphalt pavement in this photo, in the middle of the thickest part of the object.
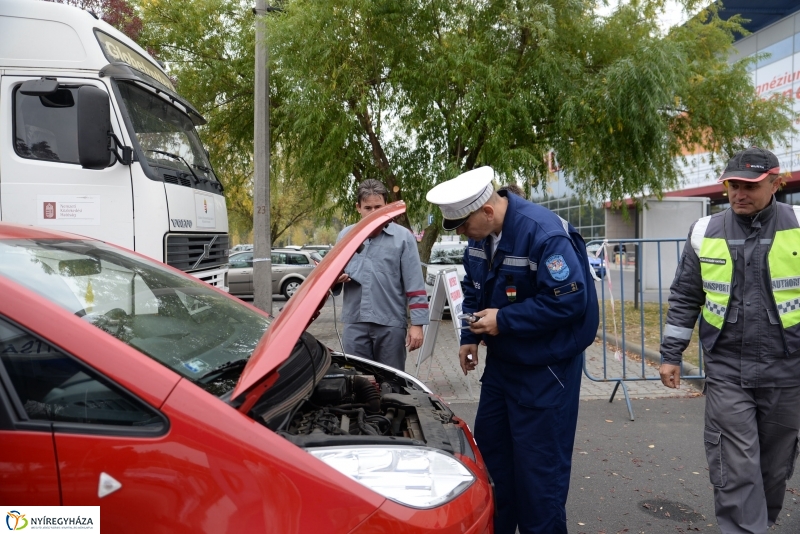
(645, 476)
(648, 475)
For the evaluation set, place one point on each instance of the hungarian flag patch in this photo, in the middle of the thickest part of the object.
(511, 293)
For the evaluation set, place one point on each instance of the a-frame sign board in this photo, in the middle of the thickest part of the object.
(446, 289)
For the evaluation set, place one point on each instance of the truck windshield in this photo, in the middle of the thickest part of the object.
(166, 134)
(176, 320)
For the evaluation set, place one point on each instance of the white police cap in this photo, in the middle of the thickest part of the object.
(460, 197)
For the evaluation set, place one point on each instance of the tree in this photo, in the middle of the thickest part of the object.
(208, 46)
(117, 13)
(414, 92)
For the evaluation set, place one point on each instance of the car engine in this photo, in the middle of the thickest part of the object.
(358, 404)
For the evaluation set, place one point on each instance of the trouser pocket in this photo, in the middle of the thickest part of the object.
(716, 463)
(793, 459)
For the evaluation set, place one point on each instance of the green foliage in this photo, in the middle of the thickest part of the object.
(414, 92)
(209, 47)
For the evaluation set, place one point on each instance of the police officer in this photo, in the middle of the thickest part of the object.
(740, 271)
(528, 283)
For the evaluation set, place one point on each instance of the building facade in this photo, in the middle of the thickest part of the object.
(773, 76)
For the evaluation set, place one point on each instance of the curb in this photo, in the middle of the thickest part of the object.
(655, 358)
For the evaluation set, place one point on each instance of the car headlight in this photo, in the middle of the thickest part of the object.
(413, 476)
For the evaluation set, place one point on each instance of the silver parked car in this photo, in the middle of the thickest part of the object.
(289, 269)
(240, 248)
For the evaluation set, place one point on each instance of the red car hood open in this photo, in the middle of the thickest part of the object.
(279, 340)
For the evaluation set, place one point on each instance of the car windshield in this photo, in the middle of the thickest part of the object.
(451, 255)
(163, 132)
(182, 323)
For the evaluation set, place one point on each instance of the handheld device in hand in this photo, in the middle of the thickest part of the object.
(469, 317)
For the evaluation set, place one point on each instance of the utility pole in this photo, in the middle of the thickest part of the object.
(262, 246)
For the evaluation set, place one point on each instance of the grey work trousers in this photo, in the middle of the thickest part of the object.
(751, 440)
(377, 342)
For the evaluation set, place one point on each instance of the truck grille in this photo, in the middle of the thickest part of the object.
(177, 180)
(195, 252)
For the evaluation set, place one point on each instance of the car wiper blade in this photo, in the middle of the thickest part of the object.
(222, 369)
(177, 157)
(201, 167)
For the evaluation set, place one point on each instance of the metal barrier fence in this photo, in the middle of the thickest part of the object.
(644, 267)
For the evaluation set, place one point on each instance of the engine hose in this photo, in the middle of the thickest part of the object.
(379, 420)
(363, 426)
(347, 407)
(366, 392)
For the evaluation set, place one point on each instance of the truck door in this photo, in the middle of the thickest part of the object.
(41, 181)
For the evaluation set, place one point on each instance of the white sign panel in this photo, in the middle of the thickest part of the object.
(446, 287)
(49, 519)
(73, 210)
(204, 209)
(454, 293)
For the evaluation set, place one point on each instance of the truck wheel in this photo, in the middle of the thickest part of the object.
(290, 287)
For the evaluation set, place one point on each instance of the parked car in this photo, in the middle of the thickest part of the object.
(598, 265)
(443, 255)
(240, 248)
(319, 249)
(289, 268)
(127, 384)
(593, 246)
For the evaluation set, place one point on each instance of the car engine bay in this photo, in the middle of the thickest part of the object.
(356, 403)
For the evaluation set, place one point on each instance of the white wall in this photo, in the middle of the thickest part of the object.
(669, 218)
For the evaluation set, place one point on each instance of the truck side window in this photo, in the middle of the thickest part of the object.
(45, 127)
(53, 386)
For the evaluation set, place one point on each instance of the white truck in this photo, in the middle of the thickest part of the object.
(94, 140)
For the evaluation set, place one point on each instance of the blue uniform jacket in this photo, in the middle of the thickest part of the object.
(539, 279)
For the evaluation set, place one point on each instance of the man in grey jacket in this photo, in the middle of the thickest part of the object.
(742, 269)
(379, 282)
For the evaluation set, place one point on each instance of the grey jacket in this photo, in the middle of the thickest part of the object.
(386, 279)
(750, 348)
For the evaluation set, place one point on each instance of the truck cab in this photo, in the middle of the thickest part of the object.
(95, 140)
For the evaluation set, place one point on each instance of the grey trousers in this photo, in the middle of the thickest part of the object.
(384, 344)
(751, 440)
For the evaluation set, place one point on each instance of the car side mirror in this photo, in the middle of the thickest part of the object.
(94, 131)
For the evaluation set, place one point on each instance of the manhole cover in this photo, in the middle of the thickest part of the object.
(675, 511)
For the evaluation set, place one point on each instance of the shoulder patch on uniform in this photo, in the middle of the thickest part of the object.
(557, 266)
(565, 290)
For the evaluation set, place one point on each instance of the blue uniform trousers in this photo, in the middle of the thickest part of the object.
(526, 439)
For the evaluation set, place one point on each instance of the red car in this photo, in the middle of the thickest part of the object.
(127, 384)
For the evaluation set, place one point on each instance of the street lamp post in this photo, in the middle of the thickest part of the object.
(262, 241)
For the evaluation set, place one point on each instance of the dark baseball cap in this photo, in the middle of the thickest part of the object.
(751, 165)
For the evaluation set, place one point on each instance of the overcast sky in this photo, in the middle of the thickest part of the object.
(674, 14)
